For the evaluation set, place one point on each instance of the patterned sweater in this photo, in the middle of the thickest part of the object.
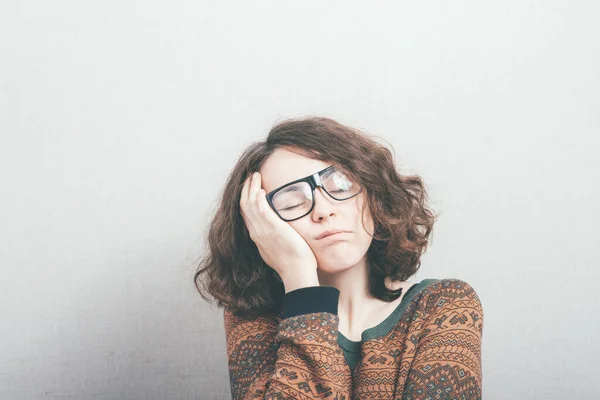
(428, 348)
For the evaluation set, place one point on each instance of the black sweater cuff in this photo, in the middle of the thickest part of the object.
(310, 300)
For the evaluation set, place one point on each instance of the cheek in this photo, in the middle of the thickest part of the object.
(368, 222)
(301, 228)
(364, 219)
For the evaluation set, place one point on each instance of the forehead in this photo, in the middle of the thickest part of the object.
(284, 166)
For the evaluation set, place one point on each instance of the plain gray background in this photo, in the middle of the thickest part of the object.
(120, 121)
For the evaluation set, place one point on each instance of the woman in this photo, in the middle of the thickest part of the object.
(310, 253)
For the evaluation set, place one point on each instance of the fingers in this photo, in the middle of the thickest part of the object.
(253, 198)
(254, 188)
(258, 197)
(244, 194)
(249, 198)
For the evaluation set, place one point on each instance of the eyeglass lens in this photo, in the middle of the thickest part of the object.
(294, 201)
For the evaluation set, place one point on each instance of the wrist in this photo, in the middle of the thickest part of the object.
(297, 282)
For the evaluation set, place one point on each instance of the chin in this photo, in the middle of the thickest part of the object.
(332, 266)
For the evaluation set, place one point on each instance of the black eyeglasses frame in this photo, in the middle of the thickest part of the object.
(314, 180)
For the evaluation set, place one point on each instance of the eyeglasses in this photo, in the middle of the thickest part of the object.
(296, 199)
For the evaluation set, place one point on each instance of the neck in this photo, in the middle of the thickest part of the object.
(355, 304)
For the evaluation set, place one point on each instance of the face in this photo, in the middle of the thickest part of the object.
(337, 252)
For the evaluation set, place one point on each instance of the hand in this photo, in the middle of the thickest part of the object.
(279, 245)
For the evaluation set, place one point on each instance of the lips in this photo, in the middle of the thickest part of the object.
(327, 233)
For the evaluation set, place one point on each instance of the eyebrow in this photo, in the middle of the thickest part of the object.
(290, 188)
(287, 186)
(327, 173)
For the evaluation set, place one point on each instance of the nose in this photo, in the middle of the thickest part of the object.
(324, 206)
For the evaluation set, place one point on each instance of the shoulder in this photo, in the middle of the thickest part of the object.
(434, 285)
(452, 300)
(446, 290)
(451, 287)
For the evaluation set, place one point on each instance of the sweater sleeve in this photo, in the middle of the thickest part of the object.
(293, 357)
(447, 361)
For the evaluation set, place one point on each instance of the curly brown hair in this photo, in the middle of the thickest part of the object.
(232, 270)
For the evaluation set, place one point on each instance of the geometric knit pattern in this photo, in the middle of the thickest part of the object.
(433, 352)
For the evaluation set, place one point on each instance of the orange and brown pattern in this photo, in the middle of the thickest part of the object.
(297, 358)
(433, 352)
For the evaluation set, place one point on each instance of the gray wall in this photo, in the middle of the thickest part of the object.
(120, 121)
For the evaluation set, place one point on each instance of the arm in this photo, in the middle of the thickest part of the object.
(296, 358)
(447, 363)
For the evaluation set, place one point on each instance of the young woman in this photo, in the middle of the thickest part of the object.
(309, 254)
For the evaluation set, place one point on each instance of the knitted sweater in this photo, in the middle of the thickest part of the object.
(428, 348)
